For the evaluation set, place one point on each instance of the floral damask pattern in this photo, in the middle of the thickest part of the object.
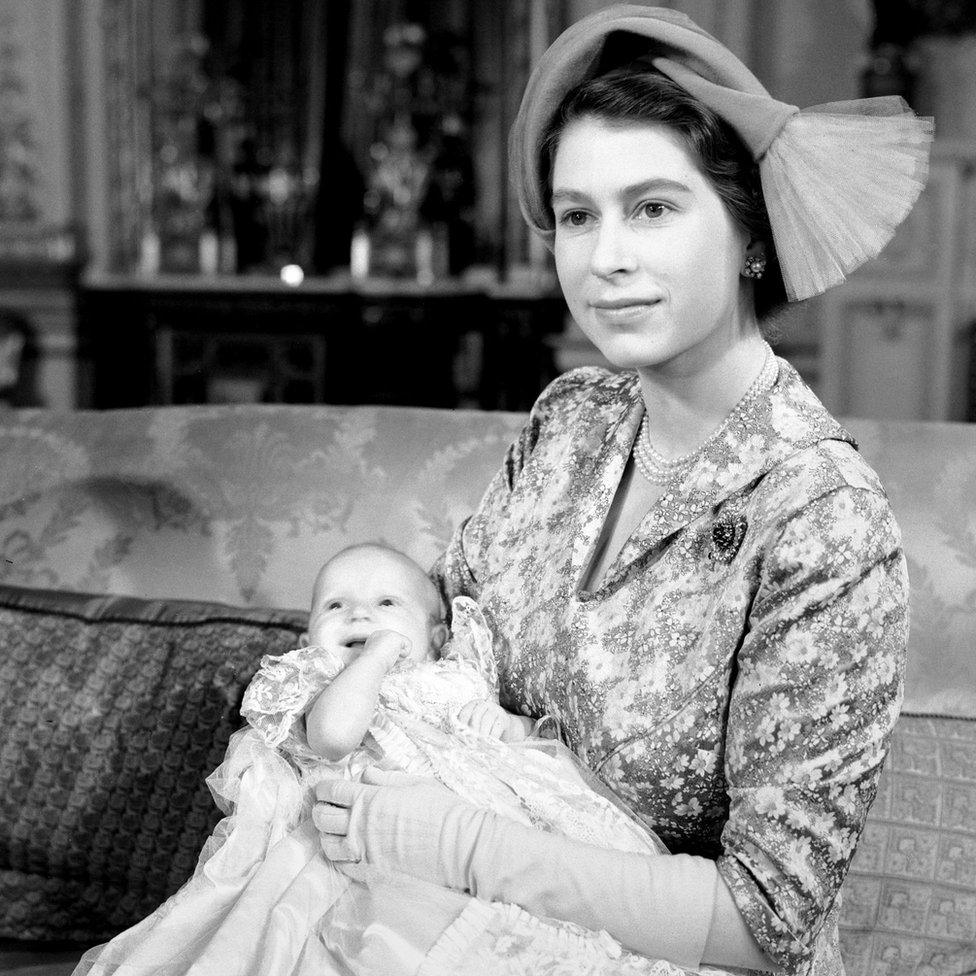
(242, 503)
(929, 471)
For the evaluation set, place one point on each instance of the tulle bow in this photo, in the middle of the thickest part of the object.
(838, 179)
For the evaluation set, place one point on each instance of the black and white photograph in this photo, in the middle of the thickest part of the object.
(487, 488)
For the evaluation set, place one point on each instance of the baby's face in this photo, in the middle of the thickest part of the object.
(365, 590)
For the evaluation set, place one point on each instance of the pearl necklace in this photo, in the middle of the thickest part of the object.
(658, 470)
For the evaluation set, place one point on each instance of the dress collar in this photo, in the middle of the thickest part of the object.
(767, 431)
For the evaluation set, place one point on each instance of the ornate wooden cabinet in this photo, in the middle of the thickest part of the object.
(190, 339)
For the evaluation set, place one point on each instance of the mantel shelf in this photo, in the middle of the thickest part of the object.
(189, 338)
(528, 288)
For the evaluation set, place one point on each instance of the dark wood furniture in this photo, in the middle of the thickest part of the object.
(188, 339)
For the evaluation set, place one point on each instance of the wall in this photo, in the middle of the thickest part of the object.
(43, 202)
(780, 41)
(805, 53)
(82, 65)
(35, 51)
(80, 70)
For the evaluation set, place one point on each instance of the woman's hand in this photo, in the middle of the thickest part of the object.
(489, 718)
(660, 905)
(397, 822)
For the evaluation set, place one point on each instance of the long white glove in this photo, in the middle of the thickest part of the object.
(658, 906)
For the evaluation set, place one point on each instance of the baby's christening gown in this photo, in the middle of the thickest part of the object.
(265, 901)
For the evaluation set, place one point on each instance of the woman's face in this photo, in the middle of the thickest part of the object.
(648, 257)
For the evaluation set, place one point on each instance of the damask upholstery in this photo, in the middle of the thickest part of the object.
(233, 504)
(239, 505)
(929, 472)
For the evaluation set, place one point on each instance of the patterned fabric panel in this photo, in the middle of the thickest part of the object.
(929, 471)
(112, 713)
(235, 504)
(240, 504)
(910, 898)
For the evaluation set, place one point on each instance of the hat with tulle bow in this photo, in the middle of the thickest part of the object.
(837, 179)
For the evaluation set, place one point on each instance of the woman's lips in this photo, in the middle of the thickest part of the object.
(623, 309)
(623, 302)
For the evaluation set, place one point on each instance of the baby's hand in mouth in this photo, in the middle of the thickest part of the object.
(388, 646)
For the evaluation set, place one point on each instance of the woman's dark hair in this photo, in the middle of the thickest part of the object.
(624, 96)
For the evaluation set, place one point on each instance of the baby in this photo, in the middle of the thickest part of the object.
(377, 681)
(373, 606)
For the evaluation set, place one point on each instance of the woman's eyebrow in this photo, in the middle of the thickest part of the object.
(635, 189)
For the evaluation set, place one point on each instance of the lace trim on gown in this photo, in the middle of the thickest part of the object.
(494, 939)
(285, 685)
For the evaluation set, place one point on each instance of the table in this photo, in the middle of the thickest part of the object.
(192, 339)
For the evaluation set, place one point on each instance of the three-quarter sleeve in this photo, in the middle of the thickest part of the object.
(816, 694)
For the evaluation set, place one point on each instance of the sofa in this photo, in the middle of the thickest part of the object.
(148, 558)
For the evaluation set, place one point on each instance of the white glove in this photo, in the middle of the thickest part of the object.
(658, 906)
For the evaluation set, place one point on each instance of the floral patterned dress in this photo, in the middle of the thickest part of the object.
(736, 674)
(264, 900)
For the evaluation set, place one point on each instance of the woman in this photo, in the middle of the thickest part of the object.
(686, 562)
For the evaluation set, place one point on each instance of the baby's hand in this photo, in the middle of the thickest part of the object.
(387, 646)
(489, 718)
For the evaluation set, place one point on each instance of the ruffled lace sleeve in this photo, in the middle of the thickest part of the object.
(281, 692)
(434, 691)
(471, 641)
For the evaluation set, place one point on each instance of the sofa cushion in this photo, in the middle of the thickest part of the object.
(910, 897)
(113, 711)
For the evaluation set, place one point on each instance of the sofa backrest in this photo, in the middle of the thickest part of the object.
(929, 472)
(232, 504)
(240, 504)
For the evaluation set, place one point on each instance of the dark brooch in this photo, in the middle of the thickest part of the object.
(727, 535)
